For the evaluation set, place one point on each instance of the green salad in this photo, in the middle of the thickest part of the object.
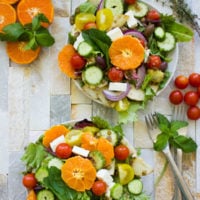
(120, 53)
(84, 160)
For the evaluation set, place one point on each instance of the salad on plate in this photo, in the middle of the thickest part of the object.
(83, 160)
(122, 53)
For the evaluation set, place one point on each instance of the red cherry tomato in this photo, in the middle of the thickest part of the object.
(193, 112)
(176, 97)
(99, 188)
(121, 152)
(115, 75)
(130, 1)
(198, 91)
(63, 151)
(194, 79)
(29, 181)
(154, 62)
(191, 98)
(181, 82)
(90, 25)
(153, 15)
(77, 61)
(142, 42)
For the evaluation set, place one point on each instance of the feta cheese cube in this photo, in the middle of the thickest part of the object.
(132, 22)
(56, 142)
(80, 151)
(115, 33)
(116, 86)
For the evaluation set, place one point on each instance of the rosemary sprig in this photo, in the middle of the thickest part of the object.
(183, 12)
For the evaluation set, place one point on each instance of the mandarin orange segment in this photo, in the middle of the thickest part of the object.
(9, 1)
(88, 141)
(17, 53)
(52, 133)
(78, 173)
(28, 9)
(126, 53)
(106, 148)
(7, 15)
(31, 195)
(64, 60)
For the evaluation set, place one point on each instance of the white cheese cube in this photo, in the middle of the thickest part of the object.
(132, 22)
(56, 142)
(116, 86)
(80, 151)
(115, 33)
(104, 175)
(136, 94)
(79, 39)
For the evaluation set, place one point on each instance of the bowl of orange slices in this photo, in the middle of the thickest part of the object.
(120, 54)
(83, 159)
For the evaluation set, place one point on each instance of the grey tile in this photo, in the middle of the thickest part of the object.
(16, 190)
(60, 109)
(3, 187)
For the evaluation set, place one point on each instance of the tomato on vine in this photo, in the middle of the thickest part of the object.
(176, 97)
(181, 82)
(193, 112)
(194, 79)
(191, 98)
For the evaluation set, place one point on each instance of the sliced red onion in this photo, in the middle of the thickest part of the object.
(141, 72)
(100, 5)
(116, 96)
(131, 74)
(136, 34)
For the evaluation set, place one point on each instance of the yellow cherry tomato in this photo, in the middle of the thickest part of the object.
(104, 19)
(83, 18)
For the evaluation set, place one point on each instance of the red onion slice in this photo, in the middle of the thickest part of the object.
(100, 5)
(116, 96)
(136, 34)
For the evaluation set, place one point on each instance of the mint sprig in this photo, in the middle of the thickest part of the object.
(34, 33)
(169, 134)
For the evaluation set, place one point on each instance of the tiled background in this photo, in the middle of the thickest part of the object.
(36, 96)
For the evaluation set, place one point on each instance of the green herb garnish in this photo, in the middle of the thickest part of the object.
(34, 33)
(169, 134)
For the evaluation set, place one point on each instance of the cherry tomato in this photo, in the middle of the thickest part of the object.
(153, 15)
(82, 19)
(90, 25)
(154, 62)
(198, 91)
(193, 112)
(181, 82)
(121, 152)
(77, 61)
(29, 181)
(115, 75)
(104, 19)
(194, 79)
(63, 150)
(176, 97)
(191, 98)
(130, 1)
(99, 188)
(142, 42)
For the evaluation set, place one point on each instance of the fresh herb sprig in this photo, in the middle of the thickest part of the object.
(169, 134)
(34, 33)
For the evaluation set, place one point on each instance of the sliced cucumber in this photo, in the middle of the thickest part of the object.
(139, 9)
(159, 33)
(116, 191)
(45, 194)
(135, 186)
(168, 43)
(116, 6)
(109, 135)
(85, 49)
(55, 162)
(97, 159)
(93, 75)
(41, 173)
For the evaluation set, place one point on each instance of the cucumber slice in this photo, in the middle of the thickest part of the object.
(116, 6)
(97, 159)
(168, 43)
(159, 33)
(85, 49)
(45, 194)
(109, 135)
(135, 186)
(139, 9)
(116, 191)
(41, 173)
(55, 162)
(93, 75)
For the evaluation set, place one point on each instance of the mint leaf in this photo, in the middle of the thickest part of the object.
(44, 39)
(36, 22)
(186, 144)
(32, 44)
(161, 141)
(175, 125)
